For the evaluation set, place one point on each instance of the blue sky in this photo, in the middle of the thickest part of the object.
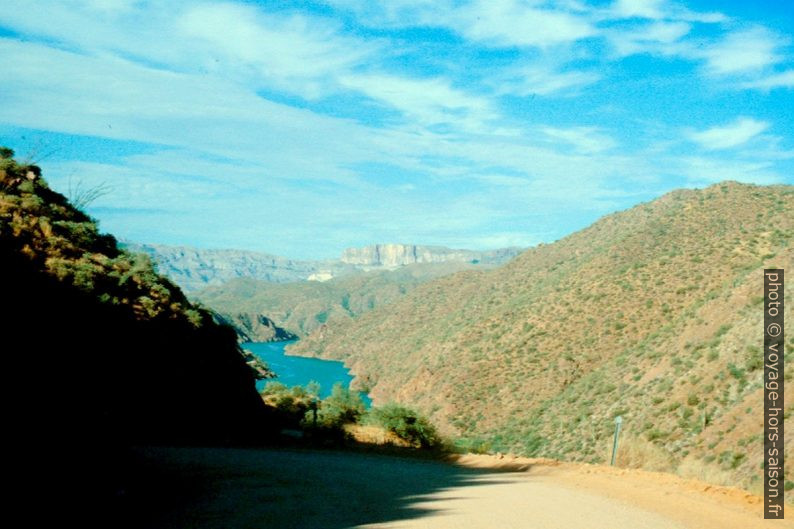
(302, 128)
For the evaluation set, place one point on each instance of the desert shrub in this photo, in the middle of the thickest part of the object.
(635, 452)
(290, 404)
(407, 425)
(341, 407)
(472, 445)
(736, 372)
(754, 358)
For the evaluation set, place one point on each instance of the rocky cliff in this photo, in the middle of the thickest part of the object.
(394, 255)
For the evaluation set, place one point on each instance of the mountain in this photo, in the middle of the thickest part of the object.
(652, 314)
(194, 269)
(100, 352)
(298, 309)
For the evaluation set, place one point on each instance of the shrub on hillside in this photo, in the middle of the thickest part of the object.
(341, 407)
(407, 425)
(290, 404)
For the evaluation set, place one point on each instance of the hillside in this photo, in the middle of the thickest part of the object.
(101, 352)
(263, 311)
(194, 269)
(653, 314)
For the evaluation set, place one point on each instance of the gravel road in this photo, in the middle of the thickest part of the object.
(302, 489)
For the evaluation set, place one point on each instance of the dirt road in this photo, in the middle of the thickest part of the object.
(258, 489)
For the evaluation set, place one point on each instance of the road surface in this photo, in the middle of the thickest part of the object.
(302, 489)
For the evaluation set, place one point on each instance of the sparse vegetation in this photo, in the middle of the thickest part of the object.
(407, 424)
(549, 346)
(303, 307)
(300, 408)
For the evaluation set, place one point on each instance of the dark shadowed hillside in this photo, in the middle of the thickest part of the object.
(653, 314)
(101, 352)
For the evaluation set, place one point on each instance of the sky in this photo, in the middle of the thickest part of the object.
(302, 128)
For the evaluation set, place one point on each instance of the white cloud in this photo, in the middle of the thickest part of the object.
(743, 51)
(706, 18)
(737, 133)
(659, 10)
(66, 26)
(108, 97)
(250, 50)
(521, 23)
(770, 82)
(429, 101)
(656, 37)
(515, 23)
(542, 80)
(583, 139)
(300, 54)
(638, 8)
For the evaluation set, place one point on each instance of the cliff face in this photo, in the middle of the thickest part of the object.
(394, 255)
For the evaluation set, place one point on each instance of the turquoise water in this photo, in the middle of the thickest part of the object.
(299, 371)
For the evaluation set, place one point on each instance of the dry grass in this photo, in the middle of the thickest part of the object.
(636, 452)
(374, 435)
(695, 468)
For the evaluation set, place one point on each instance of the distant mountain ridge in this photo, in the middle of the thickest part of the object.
(195, 268)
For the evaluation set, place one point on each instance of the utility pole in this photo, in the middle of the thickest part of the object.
(618, 422)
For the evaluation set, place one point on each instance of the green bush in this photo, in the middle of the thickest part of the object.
(341, 407)
(474, 446)
(291, 404)
(407, 425)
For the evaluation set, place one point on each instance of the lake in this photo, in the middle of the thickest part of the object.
(299, 371)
